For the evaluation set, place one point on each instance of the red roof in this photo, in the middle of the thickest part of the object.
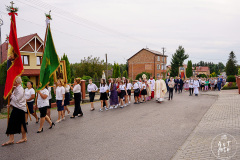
(21, 42)
(31, 72)
(202, 69)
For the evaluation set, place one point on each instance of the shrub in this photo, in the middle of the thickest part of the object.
(3, 73)
(231, 78)
(202, 76)
(25, 79)
(239, 71)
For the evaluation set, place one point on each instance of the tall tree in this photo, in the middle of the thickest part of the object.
(68, 69)
(116, 71)
(125, 74)
(189, 72)
(231, 66)
(177, 60)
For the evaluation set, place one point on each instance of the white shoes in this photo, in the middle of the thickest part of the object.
(106, 109)
(116, 107)
(111, 107)
(129, 102)
(121, 106)
(101, 110)
(58, 121)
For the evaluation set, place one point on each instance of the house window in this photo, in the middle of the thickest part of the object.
(163, 67)
(25, 60)
(158, 66)
(158, 59)
(158, 75)
(39, 60)
(163, 59)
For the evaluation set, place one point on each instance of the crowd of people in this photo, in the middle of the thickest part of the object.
(117, 93)
(194, 84)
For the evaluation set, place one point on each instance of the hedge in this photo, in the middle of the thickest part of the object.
(231, 78)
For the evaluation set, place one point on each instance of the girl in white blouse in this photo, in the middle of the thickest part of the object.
(60, 96)
(42, 104)
(50, 101)
(103, 94)
(129, 90)
(77, 98)
(122, 88)
(30, 95)
(92, 88)
(67, 99)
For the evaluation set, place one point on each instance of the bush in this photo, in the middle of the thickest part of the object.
(3, 73)
(230, 85)
(86, 78)
(140, 75)
(231, 78)
(239, 71)
(202, 76)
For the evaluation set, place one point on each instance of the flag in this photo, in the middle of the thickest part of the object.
(50, 61)
(14, 60)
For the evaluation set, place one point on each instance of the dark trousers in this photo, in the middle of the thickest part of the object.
(170, 93)
(175, 88)
(77, 100)
(190, 91)
(167, 87)
(219, 86)
(180, 89)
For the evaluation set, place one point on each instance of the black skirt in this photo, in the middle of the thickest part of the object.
(16, 120)
(136, 92)
(91, 96)
(123, 93)
(129, 92)
(67, 99)
(144, 92)
(103, 96)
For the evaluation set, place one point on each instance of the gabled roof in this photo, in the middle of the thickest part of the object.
(149, 50)
(202, 68)
(21, 42)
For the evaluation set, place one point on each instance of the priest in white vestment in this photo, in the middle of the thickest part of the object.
(195, 86)
(160, 89)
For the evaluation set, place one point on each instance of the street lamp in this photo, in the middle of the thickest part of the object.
(1, 23)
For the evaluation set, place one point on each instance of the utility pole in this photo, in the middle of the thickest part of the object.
(107, 67)
(1, 23)
(163, 50)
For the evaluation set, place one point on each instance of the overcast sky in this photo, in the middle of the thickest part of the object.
(208, 29)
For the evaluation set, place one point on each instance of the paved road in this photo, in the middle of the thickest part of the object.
(221, 119)
(143, 131)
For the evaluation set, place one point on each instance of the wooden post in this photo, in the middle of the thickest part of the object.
(83, 89)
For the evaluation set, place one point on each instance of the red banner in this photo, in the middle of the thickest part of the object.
(14, 61)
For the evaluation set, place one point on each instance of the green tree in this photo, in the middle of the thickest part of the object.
(231, 66)
(125, 74)
(177, 60)
(189, 72)
(116, 70)
(68, 69)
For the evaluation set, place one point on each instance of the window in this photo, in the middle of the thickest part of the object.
(25, 60)
(39, 60)
(163, 67)
(163, 59)
(158, 66)
(158, 74)
(158, 59)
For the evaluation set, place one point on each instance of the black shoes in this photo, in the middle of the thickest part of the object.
(53, 124)
(37, 120)
(40, 131)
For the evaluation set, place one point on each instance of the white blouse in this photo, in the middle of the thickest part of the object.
(29, 93)
(103, 88)
(67, 88)
(92, 87)
(49, 91)
(122, 87)
(18, 99)
(59, 93)
(43, 102)
(144, 85)
(135, 86)
(77, 88)
(129, 86)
